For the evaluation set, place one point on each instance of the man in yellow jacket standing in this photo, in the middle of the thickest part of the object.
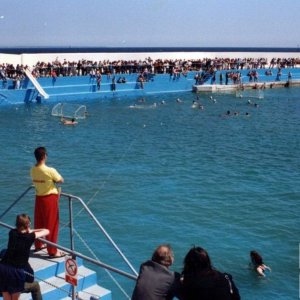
(46, 211)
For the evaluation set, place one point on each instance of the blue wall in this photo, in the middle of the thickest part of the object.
(85, 87)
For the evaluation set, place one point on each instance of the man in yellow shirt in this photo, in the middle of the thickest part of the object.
(46, 211)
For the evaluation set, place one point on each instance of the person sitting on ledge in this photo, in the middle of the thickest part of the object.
(201, 281)
(268, 73)
(155, 280)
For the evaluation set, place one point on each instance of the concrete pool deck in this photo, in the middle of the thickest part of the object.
(213, 88)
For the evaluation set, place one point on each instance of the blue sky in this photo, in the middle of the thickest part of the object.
(150, 23)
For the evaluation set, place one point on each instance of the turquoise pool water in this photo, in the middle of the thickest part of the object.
(173, 174)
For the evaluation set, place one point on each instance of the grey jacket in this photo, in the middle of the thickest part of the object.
(155, 282)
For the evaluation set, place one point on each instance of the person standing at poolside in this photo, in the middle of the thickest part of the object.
(98, 79)
(46, 211)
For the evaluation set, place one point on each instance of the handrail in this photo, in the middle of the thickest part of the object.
(84, 257)
(15, 202)
(72, 251)
(101, 228)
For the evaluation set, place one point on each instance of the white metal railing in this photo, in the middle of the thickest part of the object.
(71, 250)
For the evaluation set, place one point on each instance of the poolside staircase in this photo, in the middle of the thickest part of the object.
(51, 272)
(51, 275)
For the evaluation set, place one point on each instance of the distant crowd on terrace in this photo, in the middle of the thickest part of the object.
(160, 66)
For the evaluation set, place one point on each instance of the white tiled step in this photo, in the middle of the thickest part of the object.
(57, 288)
(94, 291)
(52, 271)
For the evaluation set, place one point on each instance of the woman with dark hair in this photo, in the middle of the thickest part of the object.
(201, 281)
(258, 264)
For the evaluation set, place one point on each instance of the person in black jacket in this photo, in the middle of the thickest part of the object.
(201, 281)
(155, 280)
(16, 261)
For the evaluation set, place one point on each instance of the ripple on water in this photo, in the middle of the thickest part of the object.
(178, 175)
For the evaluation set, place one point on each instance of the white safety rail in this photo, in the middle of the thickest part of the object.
(36, 84)
(52, 272)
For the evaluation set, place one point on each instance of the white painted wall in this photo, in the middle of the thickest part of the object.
(32, 59)
(10, 59)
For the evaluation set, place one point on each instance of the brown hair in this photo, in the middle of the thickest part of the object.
(22, 222)
(163, 255)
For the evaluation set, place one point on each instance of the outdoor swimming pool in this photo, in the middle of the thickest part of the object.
(174, 174)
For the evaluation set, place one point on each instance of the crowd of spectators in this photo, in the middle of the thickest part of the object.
(88, 67)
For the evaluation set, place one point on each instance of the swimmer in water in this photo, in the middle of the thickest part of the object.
(212, 99)
(258, 264)
(133, 106)
(253, 104)
(226, 114)
(195, 104)
(69, 122)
